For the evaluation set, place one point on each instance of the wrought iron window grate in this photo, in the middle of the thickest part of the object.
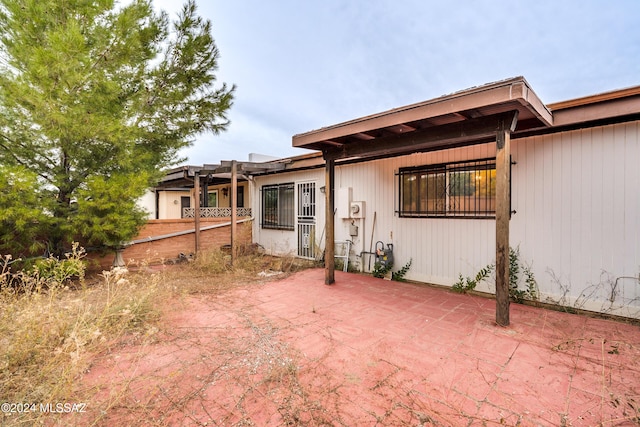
(278, 206)
(460, 190)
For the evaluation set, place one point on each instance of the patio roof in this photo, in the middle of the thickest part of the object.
(461, 118)
(183, 176)
(482, 114)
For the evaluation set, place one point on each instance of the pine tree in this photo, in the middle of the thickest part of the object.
(95, 99)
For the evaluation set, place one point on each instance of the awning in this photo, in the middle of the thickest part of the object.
(462, 118)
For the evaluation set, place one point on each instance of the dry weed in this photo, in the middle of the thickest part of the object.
(48, 334)
(50, 331)
(250, 265)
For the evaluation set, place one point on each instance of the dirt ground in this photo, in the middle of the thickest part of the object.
(364, 352)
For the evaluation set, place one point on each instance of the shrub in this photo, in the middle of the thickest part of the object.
(516, 270)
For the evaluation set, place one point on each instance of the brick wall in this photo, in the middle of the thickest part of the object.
(159, 251)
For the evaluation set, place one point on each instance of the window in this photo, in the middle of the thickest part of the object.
(278, 206)
(240, 197)
(185, 202)
(465, 190)
(212, 202)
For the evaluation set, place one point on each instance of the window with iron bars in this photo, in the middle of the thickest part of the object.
(460, 190)
(278, 206)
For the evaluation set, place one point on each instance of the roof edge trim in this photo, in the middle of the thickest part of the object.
(593, 99)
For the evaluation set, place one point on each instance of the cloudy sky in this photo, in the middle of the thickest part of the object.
(300, 65)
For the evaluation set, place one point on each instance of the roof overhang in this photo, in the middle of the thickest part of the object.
(462, 118)
(600, 107)
(245, 167)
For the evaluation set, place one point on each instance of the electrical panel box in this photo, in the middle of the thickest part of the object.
(357, 209)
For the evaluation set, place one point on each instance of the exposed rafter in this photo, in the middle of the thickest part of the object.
(482, 129)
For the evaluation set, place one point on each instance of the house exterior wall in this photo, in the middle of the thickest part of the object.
(578, 215)
(285, 242)
(169, 206)
(224, 201)
(577, 221)
(148, 203)
(440, 248)
(169, 203)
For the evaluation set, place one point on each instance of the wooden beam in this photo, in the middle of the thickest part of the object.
(482, 129)
(364, 136)
(333, 143)
(329, 246)
(234, 202)
(503, 214)
(196, 209)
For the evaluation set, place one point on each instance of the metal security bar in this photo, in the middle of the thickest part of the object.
(278, 206)
(307, 220)
(307, 240)
(307, 200)
(461, 190)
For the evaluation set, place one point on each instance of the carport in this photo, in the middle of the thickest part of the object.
(492, 112)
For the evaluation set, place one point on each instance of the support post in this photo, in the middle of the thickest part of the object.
(196, 210)
(503, 215)
(233, 202)
(118, 261)
(329, 247)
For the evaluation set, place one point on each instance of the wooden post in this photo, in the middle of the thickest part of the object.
(329, 247)
(196, 210)
(233, 202)
(503, 214)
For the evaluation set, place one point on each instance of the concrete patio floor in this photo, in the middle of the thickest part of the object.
(458, 366)
(366, 352)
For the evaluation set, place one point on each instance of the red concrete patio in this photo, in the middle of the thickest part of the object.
(367, 351)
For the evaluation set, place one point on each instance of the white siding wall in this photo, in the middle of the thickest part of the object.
(440, 248)
(284, 242)
(148, 203)
(169, 204)
(577, 197)
(577, 221)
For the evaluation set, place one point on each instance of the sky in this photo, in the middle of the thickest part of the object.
(300, 65)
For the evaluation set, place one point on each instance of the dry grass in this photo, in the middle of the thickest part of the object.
(51, 328)
(250, 265)
(48, 336)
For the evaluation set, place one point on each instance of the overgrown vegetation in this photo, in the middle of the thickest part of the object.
(522, 282)
(521, 274)
(465, 284)
(49, 329)
(398, 276)
(590, 297)
(53, 320)
(380, 271)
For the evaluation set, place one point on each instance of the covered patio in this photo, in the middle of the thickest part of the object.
(492, 112)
